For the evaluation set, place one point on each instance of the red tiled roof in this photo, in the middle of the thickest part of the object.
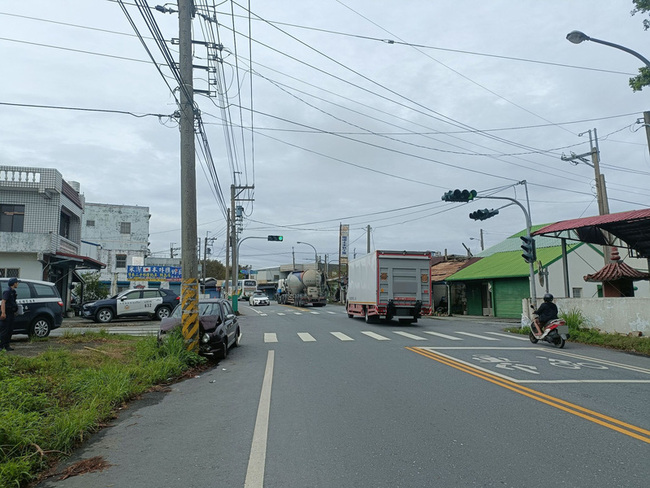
(616, 271)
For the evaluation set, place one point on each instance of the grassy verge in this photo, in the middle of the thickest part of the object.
(579, 332)
(52, 402)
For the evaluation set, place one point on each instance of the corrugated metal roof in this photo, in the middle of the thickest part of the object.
(441, 270)
(506, 265)
(632, 227)
(597, 220)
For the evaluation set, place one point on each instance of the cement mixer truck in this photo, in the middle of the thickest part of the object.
(302, 288)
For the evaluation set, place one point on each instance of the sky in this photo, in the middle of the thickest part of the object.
(337, 112)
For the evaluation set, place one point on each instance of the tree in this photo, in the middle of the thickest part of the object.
(214, 269)
(93, 289)
(643, 78)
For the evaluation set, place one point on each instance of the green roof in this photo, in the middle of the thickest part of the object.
(508, 264)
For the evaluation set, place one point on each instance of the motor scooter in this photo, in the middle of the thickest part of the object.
(556, 332)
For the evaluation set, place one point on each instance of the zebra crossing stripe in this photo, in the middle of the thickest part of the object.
(315, 313)
(306, 337)
(410, 336)
(342, 336)
(280, 313)
(330, 312)
(444, 336)
(270, 337)
(375, 336)
(478, 336)
(297, 313)
(510, 336)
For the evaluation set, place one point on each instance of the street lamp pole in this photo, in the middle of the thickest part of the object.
(576, 37)
(315, 253)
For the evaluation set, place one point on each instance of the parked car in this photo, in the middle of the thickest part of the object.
(156, 303)
(259, 298)
(218, 326)
(42, 307)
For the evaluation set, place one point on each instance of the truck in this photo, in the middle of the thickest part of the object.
(390, 284)
(302, 288)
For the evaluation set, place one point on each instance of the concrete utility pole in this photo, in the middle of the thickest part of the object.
(368, 241)
(601, 190)
(189, 285)
(224, 288)
(646, 123)
(234, 194)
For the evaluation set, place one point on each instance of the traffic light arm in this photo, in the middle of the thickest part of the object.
(531, 268)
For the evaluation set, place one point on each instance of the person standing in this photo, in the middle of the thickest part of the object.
(8, 309)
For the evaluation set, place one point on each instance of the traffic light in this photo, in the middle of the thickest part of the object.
(530, 254)
(483, 214)
(275, 238)
(459, 195)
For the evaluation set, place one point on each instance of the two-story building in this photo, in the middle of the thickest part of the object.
(40, 227)
(119, 236)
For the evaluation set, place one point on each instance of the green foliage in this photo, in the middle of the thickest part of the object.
(214, 269)
(642, 79)
(93, 288)
(52, 402)
(642, 6)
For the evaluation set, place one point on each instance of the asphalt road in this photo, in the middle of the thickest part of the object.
(315, 399)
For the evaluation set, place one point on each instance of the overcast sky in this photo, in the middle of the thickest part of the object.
(346, 126)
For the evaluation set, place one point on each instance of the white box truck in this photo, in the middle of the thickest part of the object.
(389, 284)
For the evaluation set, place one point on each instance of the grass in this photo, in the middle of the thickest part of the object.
(51, 403)
(579, 331)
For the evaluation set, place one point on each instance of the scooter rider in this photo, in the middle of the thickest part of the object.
(546, 312)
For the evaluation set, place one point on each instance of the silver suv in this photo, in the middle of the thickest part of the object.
(42, 307)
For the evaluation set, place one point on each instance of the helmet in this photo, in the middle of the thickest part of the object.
(548, 297)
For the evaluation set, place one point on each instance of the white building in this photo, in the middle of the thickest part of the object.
(40, 227)
(119, 236)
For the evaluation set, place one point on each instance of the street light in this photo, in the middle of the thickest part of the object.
(576, 37)
(315, 252)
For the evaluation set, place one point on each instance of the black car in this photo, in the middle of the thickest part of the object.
(42, 307)
(152, 302)
(218, 326)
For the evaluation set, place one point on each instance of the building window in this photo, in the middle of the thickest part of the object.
(90, 223)
(64, 226)
(125, 227)
(9, 273)
(120, 260)
(577, 292)
(12, 218)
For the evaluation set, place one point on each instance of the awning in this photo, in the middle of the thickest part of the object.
(633, 228)
(75, 261)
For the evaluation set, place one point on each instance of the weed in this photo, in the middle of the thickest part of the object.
(52, 402)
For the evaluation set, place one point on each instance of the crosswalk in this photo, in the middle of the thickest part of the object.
(274, 337)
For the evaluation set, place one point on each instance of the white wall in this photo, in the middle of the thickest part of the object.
(611, 315)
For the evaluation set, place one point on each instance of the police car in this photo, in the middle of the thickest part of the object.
(156, 303)
(42, 307)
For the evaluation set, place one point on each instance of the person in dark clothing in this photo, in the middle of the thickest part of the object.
(546, 312)
(8, 309)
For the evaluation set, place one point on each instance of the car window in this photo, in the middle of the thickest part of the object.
(178, 312)
(150, 294)
(132, 295)
(45, 290)
(228, 308)
(22, 291)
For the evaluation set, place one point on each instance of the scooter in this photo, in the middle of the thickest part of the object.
(556, 332)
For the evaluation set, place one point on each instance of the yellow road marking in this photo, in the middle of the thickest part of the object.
(598, 418)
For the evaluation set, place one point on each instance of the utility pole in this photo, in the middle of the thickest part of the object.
(235, 191)
(172, 250)
(601, 190)
(189, 285)
(646, 123)
(368, 241)
(482, 246)
(208, 240)
(228, 244)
